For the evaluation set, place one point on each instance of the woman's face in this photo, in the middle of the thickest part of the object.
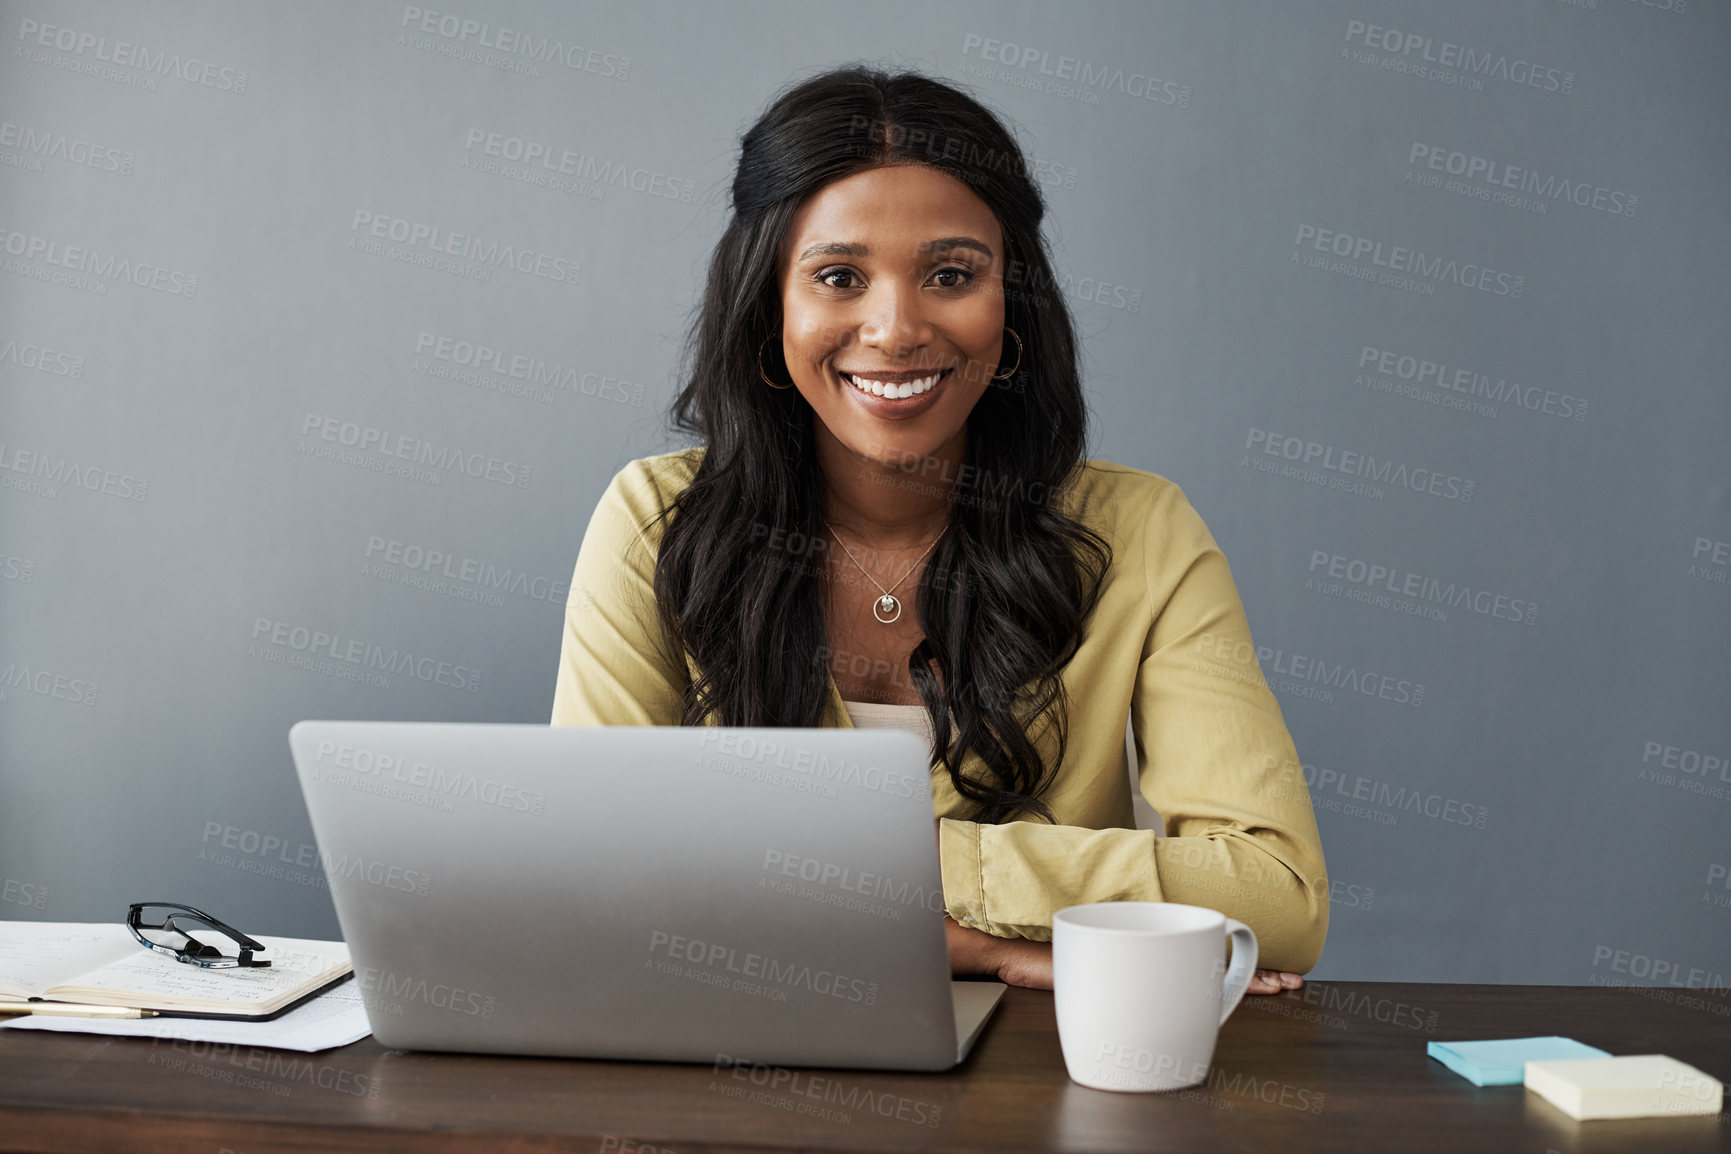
(891, 283)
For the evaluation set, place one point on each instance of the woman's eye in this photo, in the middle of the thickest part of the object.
(843, 278)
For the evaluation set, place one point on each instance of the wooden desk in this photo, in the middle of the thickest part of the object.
(1337, 1066)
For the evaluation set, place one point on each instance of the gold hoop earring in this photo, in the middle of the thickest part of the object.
(1018, 364)
(760, 371)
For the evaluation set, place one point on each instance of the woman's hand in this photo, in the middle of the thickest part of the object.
(1273, 982)
(1013, 961)
(1021, 962)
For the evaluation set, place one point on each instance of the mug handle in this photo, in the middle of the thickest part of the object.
(1242, 969)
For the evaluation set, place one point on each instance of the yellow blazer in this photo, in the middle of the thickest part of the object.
(1167, 649)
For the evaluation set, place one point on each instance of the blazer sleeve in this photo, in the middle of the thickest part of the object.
(614, 668)
(1215, 760)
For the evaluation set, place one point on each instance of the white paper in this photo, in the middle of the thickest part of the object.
(36, 955)
(157, 975)
(334, 1018)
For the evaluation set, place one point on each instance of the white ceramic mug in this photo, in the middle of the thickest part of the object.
(1142, 989)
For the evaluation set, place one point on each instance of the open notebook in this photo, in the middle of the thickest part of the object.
(102, 964)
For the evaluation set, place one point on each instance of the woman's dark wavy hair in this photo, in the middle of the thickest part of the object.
(1006, 592)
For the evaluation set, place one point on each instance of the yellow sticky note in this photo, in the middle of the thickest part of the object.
(1631, 1086)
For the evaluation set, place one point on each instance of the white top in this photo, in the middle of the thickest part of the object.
(871, 715)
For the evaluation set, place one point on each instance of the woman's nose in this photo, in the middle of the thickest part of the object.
(895, 321)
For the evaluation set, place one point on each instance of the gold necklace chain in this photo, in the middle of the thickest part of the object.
(888, 603)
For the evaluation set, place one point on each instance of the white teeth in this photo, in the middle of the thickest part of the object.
(891, 388)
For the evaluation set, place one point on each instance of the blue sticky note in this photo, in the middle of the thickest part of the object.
(1503, 1061)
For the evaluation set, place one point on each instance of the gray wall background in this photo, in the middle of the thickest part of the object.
(1537, 786)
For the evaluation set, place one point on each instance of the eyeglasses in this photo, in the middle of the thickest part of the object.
(169, 927)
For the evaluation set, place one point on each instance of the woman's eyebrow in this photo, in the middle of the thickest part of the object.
(949, 242)
(842, 248)
(833, 248)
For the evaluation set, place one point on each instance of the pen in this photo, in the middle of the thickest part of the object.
(74, 1010)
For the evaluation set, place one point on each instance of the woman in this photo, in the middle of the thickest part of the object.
(889, 521)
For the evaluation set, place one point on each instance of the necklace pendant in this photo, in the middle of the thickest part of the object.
(886, 609)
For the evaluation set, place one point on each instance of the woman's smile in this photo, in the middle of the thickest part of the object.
(895, 395)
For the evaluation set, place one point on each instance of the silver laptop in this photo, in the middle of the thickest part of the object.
(663, 893)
